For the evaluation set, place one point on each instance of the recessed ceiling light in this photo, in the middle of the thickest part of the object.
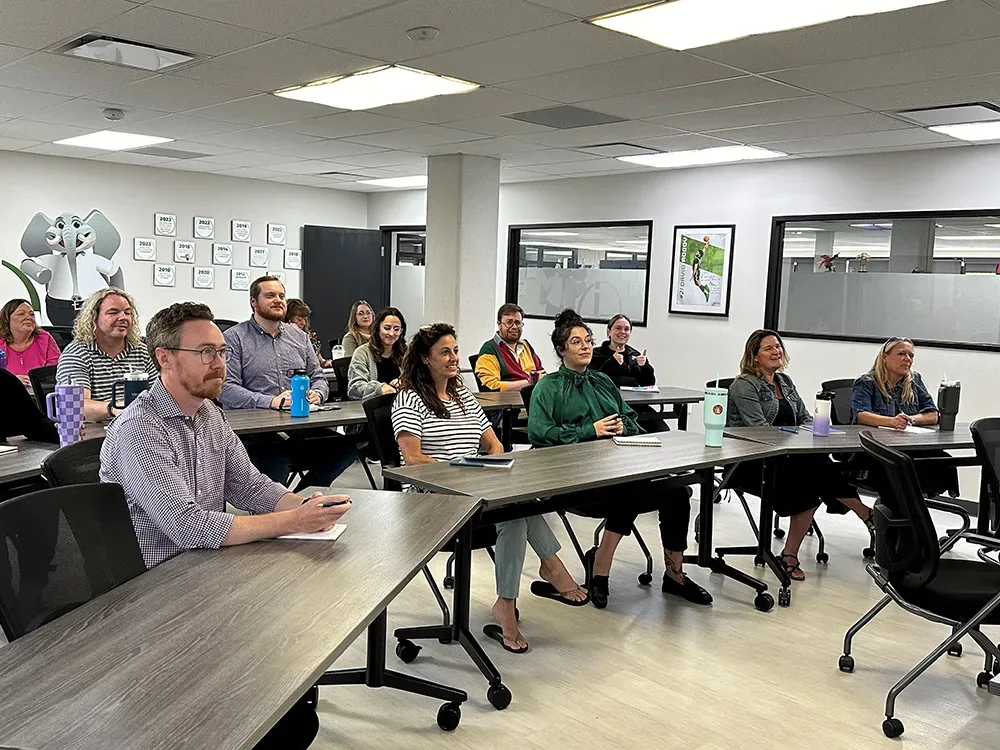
(377, 87)
(702, 156)
(417, 180)
(887, 225)
(686, 24)
(129, 54)
(550, 233)
(971, 131)
(112, 140)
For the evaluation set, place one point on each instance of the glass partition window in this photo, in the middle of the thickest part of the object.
(596, 269)
(930, 277)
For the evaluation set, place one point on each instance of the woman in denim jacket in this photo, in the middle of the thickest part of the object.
(764, 396)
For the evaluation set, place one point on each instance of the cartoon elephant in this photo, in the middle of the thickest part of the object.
(71, 258)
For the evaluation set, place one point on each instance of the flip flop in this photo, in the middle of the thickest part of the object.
(546, 590)
(496, 633)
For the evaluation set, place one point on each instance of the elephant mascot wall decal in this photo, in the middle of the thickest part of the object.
(72, 258)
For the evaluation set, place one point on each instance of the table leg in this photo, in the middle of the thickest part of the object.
(682, 416)
(987, 511)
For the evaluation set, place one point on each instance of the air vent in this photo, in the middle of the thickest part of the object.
(953, 114)
(169, 153)
(565, 117)
(614, 150)
(123, 52)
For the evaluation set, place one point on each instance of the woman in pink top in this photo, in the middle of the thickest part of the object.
(26, 345)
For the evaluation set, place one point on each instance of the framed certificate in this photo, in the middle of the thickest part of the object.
(163, 275)
(258, 256)
(204, 227)
(239, 279)
(144, 249)
(293, 258)
(275, 234)
(204, 277)
(165, 225)
(222, 255)
(241, 231)
(183, 251)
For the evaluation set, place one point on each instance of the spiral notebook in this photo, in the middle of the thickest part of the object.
(647, 441)
(320, 536)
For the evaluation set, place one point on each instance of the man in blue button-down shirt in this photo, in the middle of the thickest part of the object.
(263, 352)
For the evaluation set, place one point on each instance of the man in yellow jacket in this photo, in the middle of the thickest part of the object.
(506, 362)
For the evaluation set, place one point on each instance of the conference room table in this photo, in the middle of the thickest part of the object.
(212, 647)
(545, 480)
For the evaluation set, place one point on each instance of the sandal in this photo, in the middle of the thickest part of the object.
(793, 569)
(546, 590)
(496, 633)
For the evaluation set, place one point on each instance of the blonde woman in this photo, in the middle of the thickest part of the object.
(359, 327)
(107, 344)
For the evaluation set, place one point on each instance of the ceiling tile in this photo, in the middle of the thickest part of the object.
(684, 142)
(263, 109)
(271, 17)
(58, 74)
(250, 173)
(41, 23)
(828, 126)
(16, 144)
(765, 113)
(346, 124)
(588, 8)
(124, 157)
(606, 166)
(205, 149)
(178, 31)
(185, 126)
(662, 70)
(324, 150)
(498, 126)
(927, 93)
(276, 65)
(618, 131)
(256, 139)
(303, 167)
(907, 137)
(382, 159)
(247, 159)
(550, 156)
(167, 93)
(19, 102)
(71, 152)
(731, 92)
(9, 54)
(381, 33)
(41, 131)
(192, 165)
(534, 53)
(513, 174)
(478, 103)
(88, 114)
(488, 147)
(426, 135)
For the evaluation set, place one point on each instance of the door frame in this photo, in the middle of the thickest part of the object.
(387, 261)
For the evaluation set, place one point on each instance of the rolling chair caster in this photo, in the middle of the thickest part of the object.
(983, 679)
(406, 652)
(779, 533)
(645, 579)
(449, 716)
(846, 663)
(955, 650)
(892, 728)
(763, 602)
(785, 597)
(499, 696)
(448, 582)
(822, 558)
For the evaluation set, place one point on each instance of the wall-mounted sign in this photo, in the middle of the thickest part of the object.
(204, 227)
(222, 255)
(239, 279)
(279, 275)
(165, 225)
(204, 278)
(183, 251)
(241, 231)
(275, 234)
(293, 258)
(258, 256)
(144, 249)
(163, 275)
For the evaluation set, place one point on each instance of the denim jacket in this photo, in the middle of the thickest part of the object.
(866, 396)
(753, 402)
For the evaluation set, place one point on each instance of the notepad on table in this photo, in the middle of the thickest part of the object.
(641, 388)
(484, 462)
(647, 441)
(832, 431)
(319, 536)
(7, 449)
(908, 428)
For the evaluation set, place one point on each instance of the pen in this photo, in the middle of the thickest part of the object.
(788, 429)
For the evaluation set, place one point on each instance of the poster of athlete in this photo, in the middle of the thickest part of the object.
(701, 270)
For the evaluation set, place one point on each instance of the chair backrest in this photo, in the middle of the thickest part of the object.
(63, 335)
(340, 366)
(77, 463)
(526, 397)
(986, 436)
(225, 325)
(841, 390)
(378, 410)
(43, 382)
(722, 383)
(473, 358)
(63, 547)
(906, 542)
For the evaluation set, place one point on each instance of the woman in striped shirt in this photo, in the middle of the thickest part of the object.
(436, 418)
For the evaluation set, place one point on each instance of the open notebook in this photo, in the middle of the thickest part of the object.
(320, 536)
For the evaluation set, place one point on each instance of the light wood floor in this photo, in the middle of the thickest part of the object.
(652, 671)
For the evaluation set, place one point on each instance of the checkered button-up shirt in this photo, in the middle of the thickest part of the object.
(178, 472)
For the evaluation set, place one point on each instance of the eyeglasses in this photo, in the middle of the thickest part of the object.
(576, 341)
(512, 323)
(208, 353)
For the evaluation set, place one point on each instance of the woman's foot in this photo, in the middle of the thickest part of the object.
(597, 585)
(504, 612)
(869, 521)
(553, 571)
(791, 563)
(685, 588)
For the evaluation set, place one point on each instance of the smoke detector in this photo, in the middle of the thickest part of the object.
(423, 33)
(115, 115)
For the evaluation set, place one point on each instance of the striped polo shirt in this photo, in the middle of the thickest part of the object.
(87, 364)
(441, 439)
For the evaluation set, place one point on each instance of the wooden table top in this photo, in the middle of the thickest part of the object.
(668, 394)
(25, 462)
(212, 647)
(846, 439)
(545, 472)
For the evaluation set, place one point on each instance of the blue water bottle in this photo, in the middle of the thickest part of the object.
(3, 360)
(300, 385)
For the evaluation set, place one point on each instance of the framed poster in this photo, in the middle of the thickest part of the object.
(293, 258)
(204, 227)
(701, 269)
(163, 275)
(143, 249)
(258, 256)
(183, 251)
(241, 231)
(222, 255)
(275, 234)
(279, 275)
(204, 278)
(165, 225)
(239, 279)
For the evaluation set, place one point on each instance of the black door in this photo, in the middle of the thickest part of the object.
(339, 267)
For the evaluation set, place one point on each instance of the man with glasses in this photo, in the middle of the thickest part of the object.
(506, 362)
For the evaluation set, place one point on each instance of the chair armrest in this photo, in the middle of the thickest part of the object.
(982, 540)
(958, 510)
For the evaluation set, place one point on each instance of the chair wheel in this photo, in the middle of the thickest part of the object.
(407, 651)
(892, 727)
(449, 582)
(942, 540)
(809, 531)
(822, 557)
(983, 679)
(645, 579)
(758, 561)
(499, 696)
(779, 533)
(955, 650)
(846, 663)
(764, 602)
(449, 715)
(785, 597)
(868, 553)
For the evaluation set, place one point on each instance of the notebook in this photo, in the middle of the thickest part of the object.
(908, 428)
(484, 462)
(641, 388)
(320, 536)
(7, 449)
(647, 441)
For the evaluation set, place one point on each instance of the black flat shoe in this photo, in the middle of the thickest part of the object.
(597, 586)
(688, 590)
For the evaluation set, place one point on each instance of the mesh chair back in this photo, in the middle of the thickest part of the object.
(841, 390)
(378, 410)
(43, 382)
(722, 383)
(906, 543)
(79, 463)
(62, 547)
(986, 436)
(63, 335)
(223, 324)
(340, 366)
(473, 358)
(526, 397)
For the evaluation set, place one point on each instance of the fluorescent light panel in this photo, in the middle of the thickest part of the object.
(418, 180)
(377, 87)
(971, 131)
(687, 24)
(112, 140)
(702, 156)
(129, 54)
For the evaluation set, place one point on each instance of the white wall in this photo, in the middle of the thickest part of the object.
(130, 195)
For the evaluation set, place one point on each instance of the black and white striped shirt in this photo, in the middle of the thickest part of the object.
(442, 439)
(178, 472)
(87, 364)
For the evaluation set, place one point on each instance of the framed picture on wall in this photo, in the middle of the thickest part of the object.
(701, 269)
(239, 279)
(163, 275)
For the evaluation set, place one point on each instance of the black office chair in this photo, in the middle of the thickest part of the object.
(645, 578)
(473, 358)
(340, 366)
(224, 325)
(43, 382)
(64, 546)
(986, 436)
(76, 463)
(63, 335)
(910, 570)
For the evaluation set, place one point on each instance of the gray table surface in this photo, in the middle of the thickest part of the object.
(545, 472)
(25, 462)
(211, 648)
(846, 439)
(668, 394)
